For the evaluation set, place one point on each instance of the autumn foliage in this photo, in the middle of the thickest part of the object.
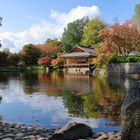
(117, 40)
(44, 61)
(50, 47)
(58, 61)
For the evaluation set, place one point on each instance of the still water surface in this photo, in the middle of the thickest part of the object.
(55, 99)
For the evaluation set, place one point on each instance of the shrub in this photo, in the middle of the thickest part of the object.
(127, 59)
(44, 61)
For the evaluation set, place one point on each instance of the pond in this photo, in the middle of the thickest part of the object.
(55, 99)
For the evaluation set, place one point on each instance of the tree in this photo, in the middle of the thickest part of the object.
(3, 58)
(50, 48)
(136, 17)
(30, 54)
(73, 34)
(91, 36)
(13, 59)
(6, 50)
(58, 62)
(46, 61)
(118, 39)
(0, 25)
(8, 58)
(0, 21)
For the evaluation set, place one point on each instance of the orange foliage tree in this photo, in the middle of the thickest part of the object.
(117, 40)
(58, 62)
(51, 47)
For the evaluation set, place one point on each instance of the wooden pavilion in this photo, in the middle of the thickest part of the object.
(79, 57)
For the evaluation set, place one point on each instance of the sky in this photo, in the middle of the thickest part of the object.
(33, 21)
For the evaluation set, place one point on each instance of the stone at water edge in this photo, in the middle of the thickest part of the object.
(72, 131)
(130, 114)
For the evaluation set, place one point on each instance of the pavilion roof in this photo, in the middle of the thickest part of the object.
(87, 52)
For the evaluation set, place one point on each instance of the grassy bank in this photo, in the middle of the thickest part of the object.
(21, 68)
(9, 69)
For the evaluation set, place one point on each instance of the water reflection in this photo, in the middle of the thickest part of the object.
(54, 99)
(4, 79)
(53, 83)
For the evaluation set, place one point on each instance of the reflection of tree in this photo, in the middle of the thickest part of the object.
(5, 77)
(91, 106)
(29, 90)
(109, 99)
(1, 118)
(101, 103)
(0, 99)
(30, 82)
(73, 103)
(82, 96)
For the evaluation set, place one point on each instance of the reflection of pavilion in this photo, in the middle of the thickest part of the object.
(79, 83)
(55, 82)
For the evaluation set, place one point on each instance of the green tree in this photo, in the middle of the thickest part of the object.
(30, 54)
(0, 21)
(73, 34)
(91, 36)
(6, 50)
(0, 25)
(3, 58)
(52, 42)
(13, 59)
(136, 17)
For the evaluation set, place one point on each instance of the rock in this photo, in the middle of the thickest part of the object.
(41, 139)
(112, 137)
(95, 136)
(32, 137)
(111, 133)
(103, 135)
(7, 139)
(72, 131)
(100, 139)
(130, 114)
(57, 137)
(10, 135)
(20, 134)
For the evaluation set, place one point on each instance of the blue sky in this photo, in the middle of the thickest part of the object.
(34, 21)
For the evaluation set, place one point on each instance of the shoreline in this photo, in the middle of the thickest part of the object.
(10, 131)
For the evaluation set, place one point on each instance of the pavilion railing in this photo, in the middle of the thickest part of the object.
(77, 65)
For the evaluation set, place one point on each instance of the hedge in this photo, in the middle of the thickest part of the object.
(127, 59)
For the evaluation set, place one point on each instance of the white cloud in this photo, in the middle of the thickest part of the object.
(40, 32)
(74, 14)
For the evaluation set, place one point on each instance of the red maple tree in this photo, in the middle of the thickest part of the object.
(44, 61)
(118, 39)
